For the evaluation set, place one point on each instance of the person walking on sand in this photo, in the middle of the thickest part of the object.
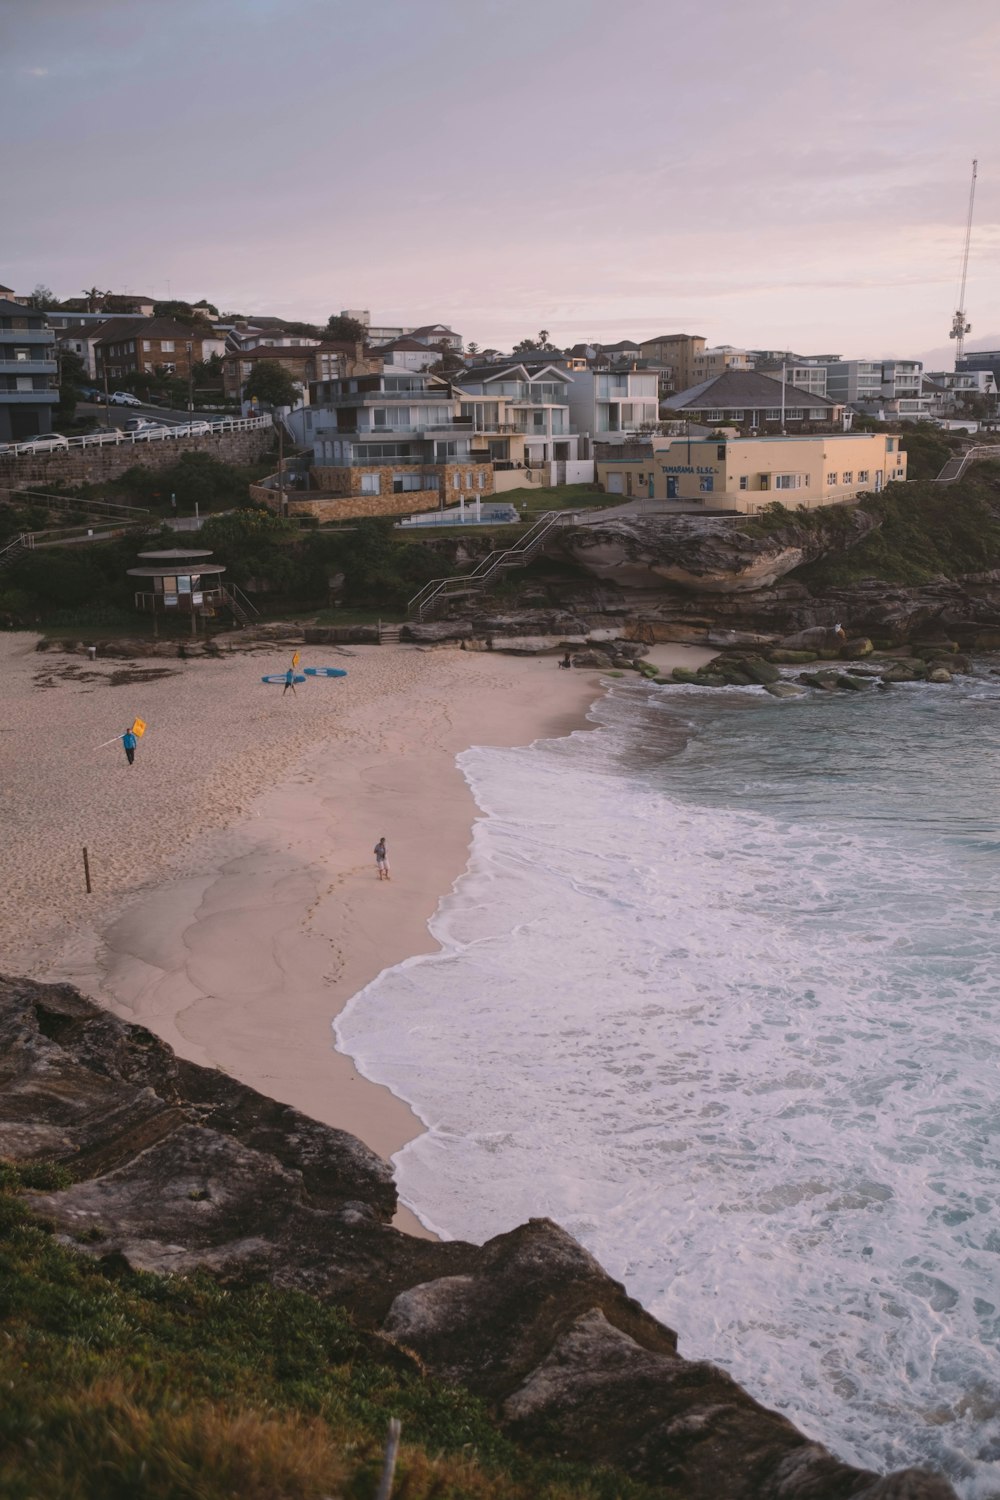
(382, 859)
(129, 741)
(289, 681)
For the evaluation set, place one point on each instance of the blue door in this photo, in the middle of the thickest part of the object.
(671, 487)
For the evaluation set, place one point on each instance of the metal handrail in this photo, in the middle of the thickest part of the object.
(77, 502)
(494, 562)
(970, 456)
(23, 543)
(235, 592)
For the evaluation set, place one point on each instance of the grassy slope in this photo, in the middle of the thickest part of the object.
(119, 1384)
(925, 530)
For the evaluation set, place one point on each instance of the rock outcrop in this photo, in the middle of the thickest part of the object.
(705, 555)
(178, 1167)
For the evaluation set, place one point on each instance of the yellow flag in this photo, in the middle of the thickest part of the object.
(295, 659)
(139, 728)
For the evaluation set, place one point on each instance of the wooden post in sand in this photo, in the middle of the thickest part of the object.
(86, 869)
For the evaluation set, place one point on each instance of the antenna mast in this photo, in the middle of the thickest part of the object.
(959, 327)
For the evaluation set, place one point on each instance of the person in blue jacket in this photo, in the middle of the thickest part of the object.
(289, 681)
(129, 741)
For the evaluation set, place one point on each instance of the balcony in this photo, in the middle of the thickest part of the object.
(419, 396)
(28, 398)
(9, 334)
(27, 367)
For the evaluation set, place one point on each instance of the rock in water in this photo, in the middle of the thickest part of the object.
(179, 1168)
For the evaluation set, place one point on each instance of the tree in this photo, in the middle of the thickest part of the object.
(272, 385)
(541, 344)
(95, 298)
(351, 330)
(72, 375)
(43, 298)
(473, 348)
(449, 362)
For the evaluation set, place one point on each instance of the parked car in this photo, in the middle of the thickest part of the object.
(90, 393)
(123, 398)
(140, 424)
(43, 442)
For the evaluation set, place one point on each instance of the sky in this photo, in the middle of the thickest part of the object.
(781, 174)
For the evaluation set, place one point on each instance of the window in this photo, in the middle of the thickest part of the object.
(456, 480)
(720, 451)
(831, 479)
(772, 414)
(24, 383)
(744, 482)
(794, 414)
(166, 346)
(480, 480)
(706, 484)
(713, 416)
(899, 473)
(817, 414)
(370, 484)
(403, 482)
(736, 416)
(862, 476)
(847, 477)
(443, 450)
(890, 445)
(468, 481)
(788, 481)
(22, 355)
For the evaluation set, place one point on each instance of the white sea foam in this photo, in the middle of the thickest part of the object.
(748, 1055)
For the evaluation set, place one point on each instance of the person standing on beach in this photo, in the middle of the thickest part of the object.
(129, 741)
(382, 859)
(289, 681)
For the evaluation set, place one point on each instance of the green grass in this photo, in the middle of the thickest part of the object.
(532, 497)
(925, 530)
(120, 1384)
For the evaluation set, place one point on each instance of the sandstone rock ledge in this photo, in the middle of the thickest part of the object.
(178, 1167)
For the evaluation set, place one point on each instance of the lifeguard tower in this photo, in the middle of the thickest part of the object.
(181, 581)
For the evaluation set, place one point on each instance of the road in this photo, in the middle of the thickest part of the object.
(117, 416)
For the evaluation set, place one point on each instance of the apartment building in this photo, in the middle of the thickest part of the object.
(611, 403)
(804, 374)
(756, 402)
(691, 359)
(28, 373)
(521, 412)
(397, 439)
(305, 362)
(150, 344)
(432, 335)
(746, 474)
(81, 338)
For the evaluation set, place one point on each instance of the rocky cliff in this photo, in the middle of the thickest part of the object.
(177, 1168)
(706, 556)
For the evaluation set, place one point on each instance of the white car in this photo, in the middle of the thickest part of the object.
(45, 442)
(123, 398)
(135, 425)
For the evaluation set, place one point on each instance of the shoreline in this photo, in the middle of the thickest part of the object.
(258, 914)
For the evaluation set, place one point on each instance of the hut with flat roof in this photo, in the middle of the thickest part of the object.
(179, 581)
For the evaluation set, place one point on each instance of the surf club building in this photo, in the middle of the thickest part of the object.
(746, 474)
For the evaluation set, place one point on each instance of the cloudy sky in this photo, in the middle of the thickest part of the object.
(773, 174)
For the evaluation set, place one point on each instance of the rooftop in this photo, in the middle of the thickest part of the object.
(742, 388)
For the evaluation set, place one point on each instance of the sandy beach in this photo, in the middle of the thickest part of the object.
(235, 906)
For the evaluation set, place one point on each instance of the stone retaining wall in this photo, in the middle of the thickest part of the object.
(345, 507)
(108, 460)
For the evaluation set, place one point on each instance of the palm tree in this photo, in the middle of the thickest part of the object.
(94, 297)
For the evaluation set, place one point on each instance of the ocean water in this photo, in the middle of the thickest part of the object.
(720, 993)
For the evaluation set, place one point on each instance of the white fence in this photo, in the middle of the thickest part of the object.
(117, 438)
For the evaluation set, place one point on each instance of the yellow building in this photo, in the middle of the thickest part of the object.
(745, 474)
